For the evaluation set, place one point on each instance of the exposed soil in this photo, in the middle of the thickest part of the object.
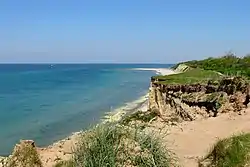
(192, 140)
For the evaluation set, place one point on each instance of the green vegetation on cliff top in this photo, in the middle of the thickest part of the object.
(201, 71)
(192, 76)
(228, 65)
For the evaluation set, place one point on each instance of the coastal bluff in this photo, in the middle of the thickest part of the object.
(201, 97)
(205, 111)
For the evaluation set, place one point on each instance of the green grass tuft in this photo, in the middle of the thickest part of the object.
(230, 152)
(117, 146)
(156, 155)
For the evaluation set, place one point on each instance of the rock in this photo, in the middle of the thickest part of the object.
(24, 155)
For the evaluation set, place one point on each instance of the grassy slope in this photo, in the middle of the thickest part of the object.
(230, 152)
(229, 65)
(202, 70)
(192, 76)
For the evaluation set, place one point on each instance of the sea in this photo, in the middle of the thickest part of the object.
(47, 102)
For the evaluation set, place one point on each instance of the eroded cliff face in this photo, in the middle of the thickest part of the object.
(193, 101)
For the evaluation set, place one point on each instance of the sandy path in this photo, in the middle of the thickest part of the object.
(192, 140)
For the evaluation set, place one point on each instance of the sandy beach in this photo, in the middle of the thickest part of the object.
(62, 149)
(201, 135)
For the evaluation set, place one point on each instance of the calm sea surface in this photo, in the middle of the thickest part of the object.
(46, 103)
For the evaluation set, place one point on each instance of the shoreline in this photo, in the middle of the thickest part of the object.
(140, 104)
(62, 149)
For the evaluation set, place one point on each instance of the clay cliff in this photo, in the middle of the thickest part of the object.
(198, 100)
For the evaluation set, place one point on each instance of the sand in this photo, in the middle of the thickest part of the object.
(191, 141)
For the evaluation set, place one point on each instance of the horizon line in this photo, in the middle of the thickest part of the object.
(55, 63)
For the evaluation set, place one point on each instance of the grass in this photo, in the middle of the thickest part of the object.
(117, 146)
(100, 148)
(190, 77)
(140, 116)
(65, 164)
(156, 155)
(228, 65)
(230, 152)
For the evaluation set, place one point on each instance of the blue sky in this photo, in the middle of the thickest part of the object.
(118, 31)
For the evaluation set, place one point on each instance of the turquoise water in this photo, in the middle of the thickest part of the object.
(46, 103)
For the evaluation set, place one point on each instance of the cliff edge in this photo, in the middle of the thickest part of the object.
(197, 93)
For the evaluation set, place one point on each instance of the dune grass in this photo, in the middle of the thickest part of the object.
(117, 146)
(230, 152)
(153, 152)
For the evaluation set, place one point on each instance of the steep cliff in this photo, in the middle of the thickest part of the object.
(195, 95)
